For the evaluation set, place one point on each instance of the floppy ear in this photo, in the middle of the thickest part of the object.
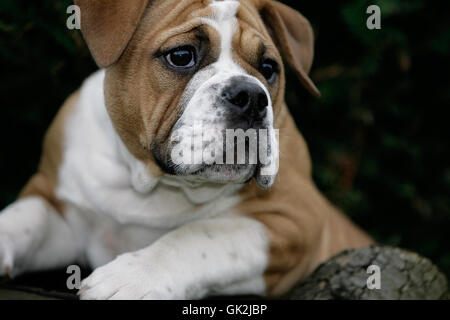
(108, 25)
(293, 34)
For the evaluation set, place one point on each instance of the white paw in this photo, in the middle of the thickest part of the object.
(129, 277)
(6, 257)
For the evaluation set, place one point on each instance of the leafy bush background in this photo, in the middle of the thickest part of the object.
(378, 137)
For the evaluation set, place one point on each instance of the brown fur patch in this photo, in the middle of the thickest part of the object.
(45, 181)
(108, 26)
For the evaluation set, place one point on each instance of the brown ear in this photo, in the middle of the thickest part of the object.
(108, 25)
(293, 34)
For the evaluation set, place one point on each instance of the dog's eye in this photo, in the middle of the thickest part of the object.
(183, 57)
(269, 69)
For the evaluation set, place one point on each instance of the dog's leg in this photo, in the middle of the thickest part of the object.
(208, 257)
(33, 236)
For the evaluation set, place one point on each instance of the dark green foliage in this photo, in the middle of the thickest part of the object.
(378, 137)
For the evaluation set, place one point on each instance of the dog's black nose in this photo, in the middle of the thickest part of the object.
(246, 99)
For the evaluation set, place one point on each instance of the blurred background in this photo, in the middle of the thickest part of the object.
(379, 136)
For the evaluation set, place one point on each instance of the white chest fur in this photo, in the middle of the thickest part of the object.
(104, 184)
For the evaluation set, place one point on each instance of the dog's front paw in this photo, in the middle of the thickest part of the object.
(6, 256)
(128, 277)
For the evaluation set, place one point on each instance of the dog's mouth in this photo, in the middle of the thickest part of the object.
(224, 173)
(211, 173)
(221, 162)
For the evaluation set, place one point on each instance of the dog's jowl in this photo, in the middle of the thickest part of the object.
(112, 193)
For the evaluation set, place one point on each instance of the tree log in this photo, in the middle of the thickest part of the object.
(404, 276)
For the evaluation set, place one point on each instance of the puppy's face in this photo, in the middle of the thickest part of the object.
(197, 90)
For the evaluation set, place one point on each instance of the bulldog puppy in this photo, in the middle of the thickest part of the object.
(111, 192)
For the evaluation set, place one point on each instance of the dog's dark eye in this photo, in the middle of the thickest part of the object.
(269, 69)
(183, 57)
